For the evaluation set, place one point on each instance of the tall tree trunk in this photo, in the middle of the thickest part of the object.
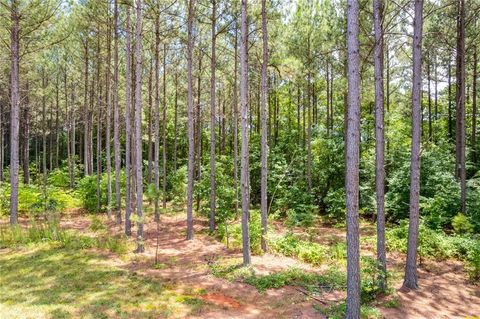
(460, 100)
(474, 107)
(164, 130)
(213, 62)
(352, 162)
(108, 119)
(191, 143)
(235, 120)
(156, 119)
(86, 155)
(410, 280)
(26, 137)
(244, 163)
(378, 7)
(264, 200)
(150, 124)
(15, 110)
(175, 125)
(450, 128)
(138, 124)
(429, 93)
(116, 119)
(128, 125)
(99, 124)
(57, 113)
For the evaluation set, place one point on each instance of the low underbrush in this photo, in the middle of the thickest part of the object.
(51, 232)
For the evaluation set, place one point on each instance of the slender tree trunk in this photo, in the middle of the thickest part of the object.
(430, 128)
(245, 170)
(175, 125)
(212, 118)
(138, 124)
(15, 110)
(116, 119)
(85, 116)
(150, 124)
(99, 124)
(235, 121)
(378, 7)
(108, 120)
(474, 107)
(450, 128)
(264, 200)
(460, 100)
(26, 137)
(128, 125)
(156, 119)
(57, 111)
(191, 143)
(410, 280)
(164, 129)
(352, 162)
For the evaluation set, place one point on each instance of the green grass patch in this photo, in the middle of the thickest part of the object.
(337, 311)
(46, 282)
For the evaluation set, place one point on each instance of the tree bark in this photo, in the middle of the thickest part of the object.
(191, 143)
(15, 110)
(116, 119)
(410, 280)
(244, 111)
(138, 124)
(352, 161)
(378, 7)
(156, 119)
(128, 125)
(213, 62)
(108, 120)
(474, 107)
(460, 100)
(264, 168)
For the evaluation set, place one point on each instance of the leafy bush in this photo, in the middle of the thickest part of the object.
(290, 245)
(461, 224)
(331, 279)
(235, 233)
(436, 244)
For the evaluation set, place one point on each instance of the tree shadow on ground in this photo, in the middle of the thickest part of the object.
(59, 283)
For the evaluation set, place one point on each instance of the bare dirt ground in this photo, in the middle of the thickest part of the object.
(444, 289)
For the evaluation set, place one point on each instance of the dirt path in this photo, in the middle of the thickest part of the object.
(185, 266)
(444, 291)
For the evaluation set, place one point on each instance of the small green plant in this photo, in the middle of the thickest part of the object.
(292, 246)
(461, 225)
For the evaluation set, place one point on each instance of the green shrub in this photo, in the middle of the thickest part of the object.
(461, 224)
(235, 233)
(292, 246)
(331, 279)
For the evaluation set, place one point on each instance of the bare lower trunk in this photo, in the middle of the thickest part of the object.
(14, 113)
(156, 120)
(116, 120)
(138, 124)
(263, 191)
(212, 119)
(411, 263)
(244, 178)
(128, 126)
(191, 143)
(460, 100)
(352, 162)
(378, 7)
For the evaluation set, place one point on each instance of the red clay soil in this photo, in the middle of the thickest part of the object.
(444, 290)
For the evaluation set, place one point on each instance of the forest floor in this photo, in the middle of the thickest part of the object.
(47, 282)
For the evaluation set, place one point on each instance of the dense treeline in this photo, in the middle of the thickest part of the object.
(227, 107)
